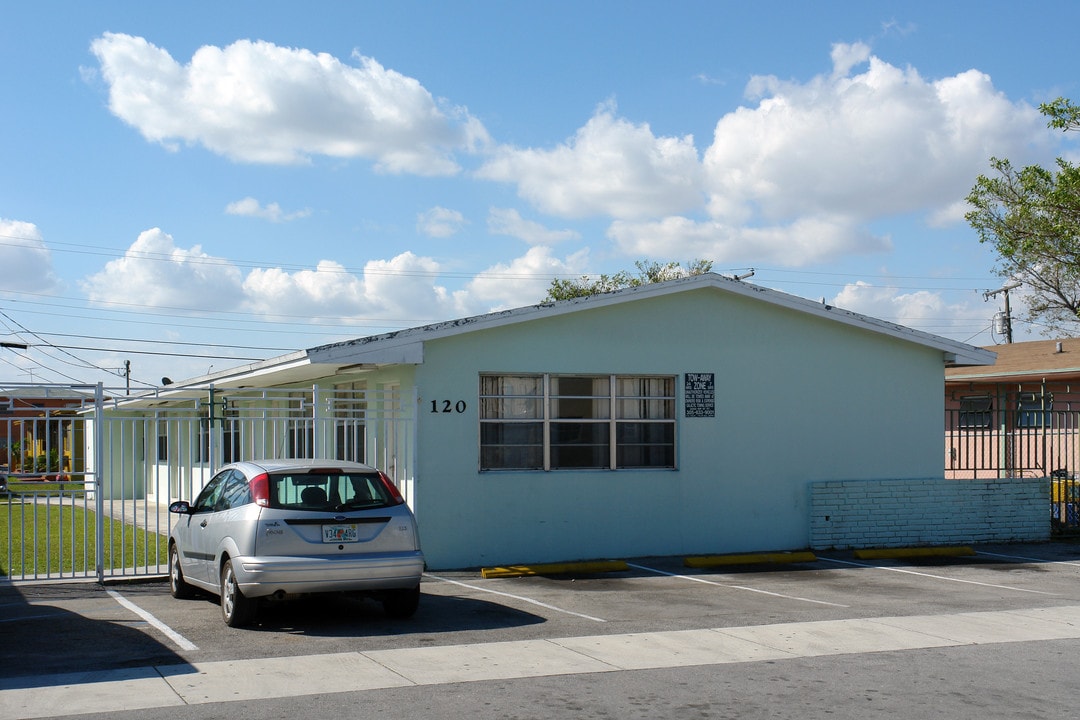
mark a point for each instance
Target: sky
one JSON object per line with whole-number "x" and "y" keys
{"x": 188, "y": 187}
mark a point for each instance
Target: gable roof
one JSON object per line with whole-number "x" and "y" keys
{"x": 407, "y": 346}
{"x": 1026, "y": 360}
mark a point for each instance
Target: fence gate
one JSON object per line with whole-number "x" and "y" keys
{"x": 87, "y": 473}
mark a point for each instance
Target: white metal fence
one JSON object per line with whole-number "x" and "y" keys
{"x": 86, "y": 474}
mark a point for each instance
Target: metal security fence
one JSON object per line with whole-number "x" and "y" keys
{"x": 1011, "y": 443}
{"x": 87, "y": 474}
{"x": 1023, "y": 437}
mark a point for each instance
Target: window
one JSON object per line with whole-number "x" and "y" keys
{"x": 645, "y": 422}
{"x": 1034, "y": 410}
{"x": 328, "y": 490}
{"x": 512, "y": 422}
{"x": 235, "y": 493}
{"x": 976, "y": 411}
{"x": 562, "y": 422}
{"x": 211, "y": 494}
{"x": 580, "y": 422}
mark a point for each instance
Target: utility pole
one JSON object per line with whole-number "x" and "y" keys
{"x": 1007, "y": 325}
{"x": 127, "y": 375}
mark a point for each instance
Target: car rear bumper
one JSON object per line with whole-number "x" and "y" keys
{"x": 261, "y": 576}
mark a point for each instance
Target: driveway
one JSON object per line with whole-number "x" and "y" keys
{"x": 130, "y": 646}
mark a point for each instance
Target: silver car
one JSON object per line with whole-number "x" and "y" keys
{"x": 278, "y": 528}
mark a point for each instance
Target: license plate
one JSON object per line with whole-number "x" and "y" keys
{"x": 339, "y": 534}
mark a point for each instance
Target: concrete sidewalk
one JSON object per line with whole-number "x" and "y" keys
{"x": 226, "y": 681}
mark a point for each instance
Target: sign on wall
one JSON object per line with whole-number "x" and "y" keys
{"x": 699, "y": 395}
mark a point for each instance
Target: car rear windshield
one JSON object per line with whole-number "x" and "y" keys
{"x": 328, "y": 490}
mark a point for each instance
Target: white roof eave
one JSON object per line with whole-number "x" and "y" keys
{"x": 406, "y": 346}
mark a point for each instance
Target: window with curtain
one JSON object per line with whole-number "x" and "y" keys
{"x": 563, "y": 422}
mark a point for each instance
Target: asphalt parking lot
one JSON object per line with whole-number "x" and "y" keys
{"x": 84, "y": 628}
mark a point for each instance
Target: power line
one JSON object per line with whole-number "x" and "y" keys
{"x": 129, "y": 351}
{"x": 170, "y": 342}
{"x": 142, "y": 311}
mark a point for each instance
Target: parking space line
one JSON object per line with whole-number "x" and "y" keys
{"x": 182, "y": 642}
{"x": 1030, "y": 559}
{"x": 515, "y": 597}
{"x": 736, "y": 587}
{"x": 935, "y": 577}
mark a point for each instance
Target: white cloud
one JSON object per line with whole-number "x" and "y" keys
{"x": 403, "y": 290}
{"x": 253, "y": 101}
{"x": 867, "y": 145}
{"x": 250, "y": 207}
{"x": 26, "y": 261}
{"x": 796, "y": 178}
{"x": 506, "y": 221}
{"x": 440, "y": 222}
{"x": 610, "y": 167}
{"x": 522, "y": 281}
{"x": 155, "y": 273}
{"x": 803, "y": 241}
{"x": 922, "y": 309}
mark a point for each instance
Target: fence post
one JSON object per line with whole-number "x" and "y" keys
{"x": 211, "y": 433}
{"x": 316, "y": 426}
{"x": 99, "y": 499}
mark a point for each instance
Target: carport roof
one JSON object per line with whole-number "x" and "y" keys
{"x": 407, "y": 346}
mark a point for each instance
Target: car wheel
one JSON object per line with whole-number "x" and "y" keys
{"x": 236, "y": 609}
{"x": 177, "y": 585}
{"x": 401, "y": 603}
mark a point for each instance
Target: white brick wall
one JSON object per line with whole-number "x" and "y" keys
{"x": 901, "y": 513}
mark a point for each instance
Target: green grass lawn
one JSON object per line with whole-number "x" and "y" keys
{"x": 60, "y": 538}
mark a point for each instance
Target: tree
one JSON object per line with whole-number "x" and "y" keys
{"x": 1032, "y": 218}
{"x": 648, "y": 272}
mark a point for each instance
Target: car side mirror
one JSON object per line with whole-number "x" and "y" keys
{"x": 180, "y": 507}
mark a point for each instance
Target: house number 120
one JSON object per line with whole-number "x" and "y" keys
{"x": 447, "y": 406}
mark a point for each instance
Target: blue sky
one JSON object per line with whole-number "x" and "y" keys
{"x": 185, "y": 187}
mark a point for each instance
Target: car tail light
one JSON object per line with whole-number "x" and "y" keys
{"x": 260, "y": 489}
{"x": 391, "y": 488}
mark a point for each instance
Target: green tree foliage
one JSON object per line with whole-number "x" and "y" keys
{"x": 647, "y": 272}
{"x": 1031, "y": 216}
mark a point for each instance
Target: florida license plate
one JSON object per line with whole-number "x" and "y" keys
{"x": 339, "y": 534}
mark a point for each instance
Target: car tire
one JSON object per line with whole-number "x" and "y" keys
{"x": 236, "y": 610}
{"x": 401, "y": 603}
{"x": 178, "y": 587}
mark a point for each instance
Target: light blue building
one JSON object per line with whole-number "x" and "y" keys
{"x": 684, "y": 417}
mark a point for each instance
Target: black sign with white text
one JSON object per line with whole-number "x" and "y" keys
{"x": 699, "y": 394}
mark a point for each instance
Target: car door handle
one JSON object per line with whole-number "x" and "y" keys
{"x": 202, "y": 524}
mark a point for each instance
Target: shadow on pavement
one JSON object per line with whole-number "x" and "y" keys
{"x": 76, "y": 629}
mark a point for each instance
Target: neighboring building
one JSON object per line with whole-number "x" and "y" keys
{"x": 38, "y": 438}
{"x": 1017, "y": 417}
{"x": 691, "y": 416}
